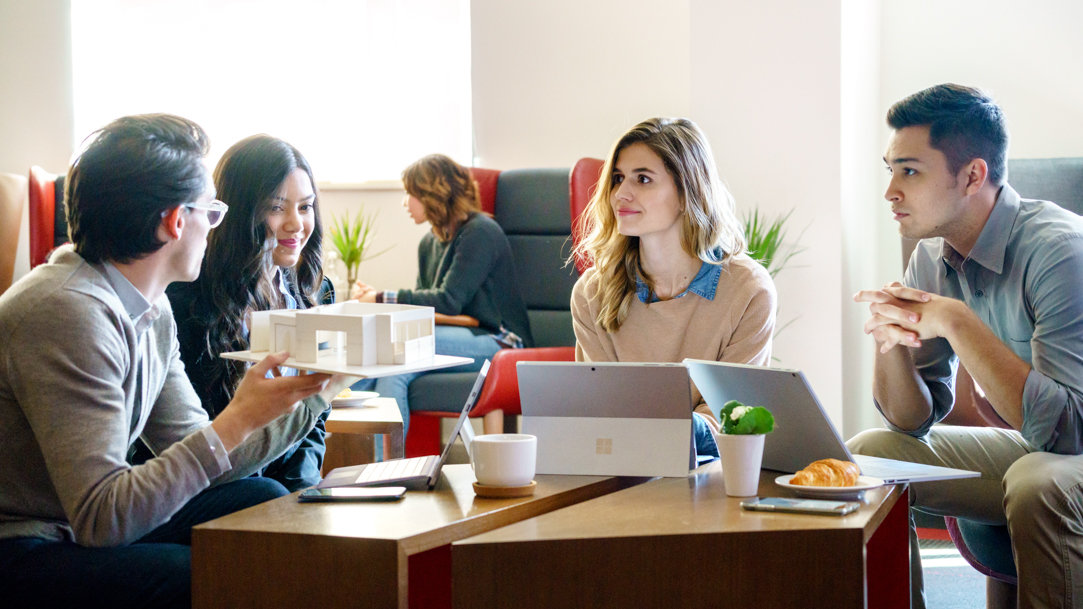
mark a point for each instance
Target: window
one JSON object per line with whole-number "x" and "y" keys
{"x": 362, "y": 88}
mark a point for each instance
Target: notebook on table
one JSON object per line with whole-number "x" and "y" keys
{"x": 611, "y": 419}
{"x": 803, "y": 432}
{"x": 416, "y": 473}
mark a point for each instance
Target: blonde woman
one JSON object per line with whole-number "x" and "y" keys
{"x": 669, "y": 278}
{"x": 465, "y": 267}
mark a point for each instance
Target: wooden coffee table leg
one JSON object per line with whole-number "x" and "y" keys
{"x": 394, "y": 446}
{"x": 348, "y": 449}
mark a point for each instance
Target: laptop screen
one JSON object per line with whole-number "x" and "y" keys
{"x": 471, "y": 399}
{"x": 608, "y": 418}
{"x": 803, "y": 431}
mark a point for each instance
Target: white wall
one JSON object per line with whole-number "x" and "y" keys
{"x": 870, "y": 252}
{"x": 1025, "y": 53}
{"x": 558, "y": 80}
{"x": 35, "y": 85}
{"x": 766, "y": 91}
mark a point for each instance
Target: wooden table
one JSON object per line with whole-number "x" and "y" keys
{"x": 675, "y": 542}
{"x": 352, "y": 430}
{"x": 286, "y": 554}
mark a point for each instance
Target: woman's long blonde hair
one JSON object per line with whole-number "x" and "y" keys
{"x": 709, "y": 229}
{"x": 446, "y": 191}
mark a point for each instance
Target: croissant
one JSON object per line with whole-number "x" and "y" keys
{"x": 827, "y": 472}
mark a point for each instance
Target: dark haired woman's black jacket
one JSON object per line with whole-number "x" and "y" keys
{"x": 297, "y": 468}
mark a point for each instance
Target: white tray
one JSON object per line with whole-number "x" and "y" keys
{"x": 335, "y": 363}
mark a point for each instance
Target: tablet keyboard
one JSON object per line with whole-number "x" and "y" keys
{"x": 396, "y": 469}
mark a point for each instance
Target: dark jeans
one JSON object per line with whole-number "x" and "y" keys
{"x": 705, "y": 444}
{"x": 297, "y": 468}
{"x": 154, "y": 572}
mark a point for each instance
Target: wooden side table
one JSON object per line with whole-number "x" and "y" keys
{"x": 352, "y": 431}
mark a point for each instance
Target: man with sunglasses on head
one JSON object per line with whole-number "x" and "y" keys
{"x": 89, "y": 362}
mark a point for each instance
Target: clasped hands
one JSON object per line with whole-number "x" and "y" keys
{"x": 905, "y": 316}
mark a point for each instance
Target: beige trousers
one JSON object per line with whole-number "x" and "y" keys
{"x": 1038, "y": 495}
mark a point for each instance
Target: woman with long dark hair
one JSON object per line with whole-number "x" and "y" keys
{"x": 265, "y": 255}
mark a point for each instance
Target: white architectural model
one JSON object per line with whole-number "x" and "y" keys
{"x": 369, "y": 334}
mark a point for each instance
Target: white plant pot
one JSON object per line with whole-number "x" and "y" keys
{"x": 741, "y": 459}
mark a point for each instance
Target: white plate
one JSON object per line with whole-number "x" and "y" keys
{"x": 864, "y": 483}
{"x": 357, "y": 398}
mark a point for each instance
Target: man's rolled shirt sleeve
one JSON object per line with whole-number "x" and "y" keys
{"x": 1053, "y": 393}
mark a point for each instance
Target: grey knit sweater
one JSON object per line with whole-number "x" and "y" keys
{"x": 80, "y": 379}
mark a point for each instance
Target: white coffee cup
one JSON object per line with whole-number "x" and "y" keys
{"x": 504, "y": 459}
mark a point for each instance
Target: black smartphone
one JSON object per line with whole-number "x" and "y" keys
{"x": 352, "y": 493}
{"x": 802, "y": 506}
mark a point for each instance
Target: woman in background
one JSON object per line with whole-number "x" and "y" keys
{"x": 265, "y": 255}
{"x": 465, "y": 267}
{"x": 669, "y": 278}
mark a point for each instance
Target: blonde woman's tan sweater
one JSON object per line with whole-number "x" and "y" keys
{"x": 735, "y": 326}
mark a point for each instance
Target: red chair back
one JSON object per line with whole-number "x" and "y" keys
{"x": 586, "y": 174}
{"x": 42, "y": 214}
{"x": 486, "y": 180}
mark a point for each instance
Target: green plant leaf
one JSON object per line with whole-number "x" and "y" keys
{"x": 767, "y": 241}
{"x": 755, "y": 420}
{"x": 351, "y": 239}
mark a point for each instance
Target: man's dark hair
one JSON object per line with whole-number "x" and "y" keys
{"x": 964, "y": 123}
{"x": 133, "y": 170}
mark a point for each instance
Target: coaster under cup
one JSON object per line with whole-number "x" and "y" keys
{"x": 499, "y": 492}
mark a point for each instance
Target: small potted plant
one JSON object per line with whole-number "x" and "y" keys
{"x": 351, "y": 239}
{"x": 741, "y": 446}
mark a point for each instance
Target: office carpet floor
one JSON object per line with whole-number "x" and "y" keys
{"x": 950, "y": 583}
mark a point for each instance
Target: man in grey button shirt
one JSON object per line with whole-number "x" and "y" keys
{"x": 89, "y": 361}
{"x": 996, "y": 283}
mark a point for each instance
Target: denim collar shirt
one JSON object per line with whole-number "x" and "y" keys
{"x": 1024, "y": 279}
{"x": 703, "y": 284}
